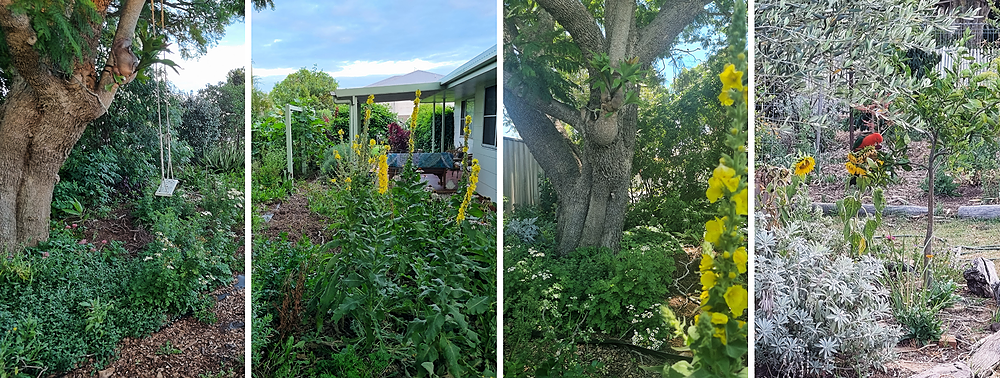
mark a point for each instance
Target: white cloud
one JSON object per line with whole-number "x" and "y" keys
{"x": 272, "y": 43}
{"x": 360, "y": 68}
{"x": 265, "y": 72}
{"x": 208, "y": 69}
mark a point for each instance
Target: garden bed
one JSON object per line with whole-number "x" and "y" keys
{"x": 830, "y": 181}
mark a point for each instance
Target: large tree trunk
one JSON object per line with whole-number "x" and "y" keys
{"x": 43, "y": 116}
{"x": 592, "y": 178}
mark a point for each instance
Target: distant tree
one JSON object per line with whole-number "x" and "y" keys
{"x": 260, "y": 101}
{"x": 200, "y": 124}
{"x": 305, "y": 84}
{"x": 228, "y": 96}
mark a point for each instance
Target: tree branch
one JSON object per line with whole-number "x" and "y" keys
{"x": 553, "y": 107}
{"x": 126, "y": 30}
{"x": 673, "y": 17}
{"x": 553, "y": 150}
{"x": 577, "y": 20}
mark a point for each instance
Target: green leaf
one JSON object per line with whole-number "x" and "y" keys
{"x": 479, "y": 305}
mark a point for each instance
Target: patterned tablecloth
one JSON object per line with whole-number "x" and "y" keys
{"x": 423, "y": 160}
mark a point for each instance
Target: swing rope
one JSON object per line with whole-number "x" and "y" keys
{"x": 167, "y": 181}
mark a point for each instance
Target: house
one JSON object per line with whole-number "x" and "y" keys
{"x": 471, "y": 89}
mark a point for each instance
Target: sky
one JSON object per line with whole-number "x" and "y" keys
{"x": 360, "y": 42}
{"x": 212, "y": 67}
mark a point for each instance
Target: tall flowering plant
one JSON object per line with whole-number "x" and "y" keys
{"x": 413, "y": 119}
{"x": 718, "y": 337}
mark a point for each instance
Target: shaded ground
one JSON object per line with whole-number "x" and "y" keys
{"x": 120, "y": 226}
{"x": 830, "y": 182}
{"x": 195, "y": 349}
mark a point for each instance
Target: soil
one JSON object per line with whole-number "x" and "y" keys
{"x": 907, "y": 192}
{"x": 120, "y": 226}
{"x": 292, "y": 219}
{"x": 195, "y": 349}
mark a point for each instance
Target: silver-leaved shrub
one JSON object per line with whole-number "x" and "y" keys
{"x": 817, "y": 308}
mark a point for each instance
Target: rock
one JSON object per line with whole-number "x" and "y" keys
{"x": 994, "y": 327}
{"x": 986, "y": 357}
{"x": 979, "y": 212}
{"x": 948, "y": 370}
{"x": 948, "y": 341}
{"x": 982, "y": 278}
{"x": 107, "y": 373}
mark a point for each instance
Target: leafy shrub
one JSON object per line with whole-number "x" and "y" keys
{"x": 176, "y": 266}
{"x": 399, "y": 138}
{"x": 944, "y": 184}
{"x": 331, "y": 164}
{"x": 588, "y": 290}
{"x": 425, "y": 135}
{"x": 816, "y": 306}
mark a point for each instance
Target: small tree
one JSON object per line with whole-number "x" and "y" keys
{"x": 949, "y": 109}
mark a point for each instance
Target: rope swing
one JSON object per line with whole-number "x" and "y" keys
{"x": 167, "y": 181}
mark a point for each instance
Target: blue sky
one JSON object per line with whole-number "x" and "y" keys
{"x": 360, "y": 42}
{"x": 212, "y": 67}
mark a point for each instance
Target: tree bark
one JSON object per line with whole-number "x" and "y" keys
{"x": 41, "y": 120}
{"x": 592, "y": 178}
{"x": 928, "y": 238}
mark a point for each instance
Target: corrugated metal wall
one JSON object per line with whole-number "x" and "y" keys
{"x": 520, "y": 174}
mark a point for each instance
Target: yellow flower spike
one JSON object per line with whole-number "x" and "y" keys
{"x": 714, "y": 228}
{"x": 371, "y": 143}
{"x": 740, "y": 200}
{"x": 736, "y": 298}
{"x": 341, "y": 132}
{"x": 708, "y": 280}
{"x": 468, "y": 119}
{"x": 707, "y": 263}
{"x": 347, "y": 180}
{"x": 740, "y": 258}
{"x": 336, "y": 155}
{"x": 804, "y": 166}
{"x": 371, "y": 99}
{"x": 383, "y": 174}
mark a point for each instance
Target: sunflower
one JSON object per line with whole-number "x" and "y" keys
{"x": 804, "y": 166}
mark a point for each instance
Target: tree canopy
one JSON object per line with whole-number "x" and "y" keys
{"x": 312, "y": 84}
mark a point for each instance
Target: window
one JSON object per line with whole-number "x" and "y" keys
{"x": 490, "y": 117}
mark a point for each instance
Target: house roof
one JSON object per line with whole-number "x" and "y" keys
{"x": 414, "y": 77}
{"x": 431, "y": 85}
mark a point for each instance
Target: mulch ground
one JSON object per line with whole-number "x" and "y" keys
{"x": 291, "y": 218}
{"x": 907, "y": 192}
{"x": 120, "y": 226}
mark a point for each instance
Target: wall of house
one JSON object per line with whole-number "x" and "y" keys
{"x": 486, "y": 154}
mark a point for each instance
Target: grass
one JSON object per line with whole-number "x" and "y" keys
{"x": 955, "y": 231}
